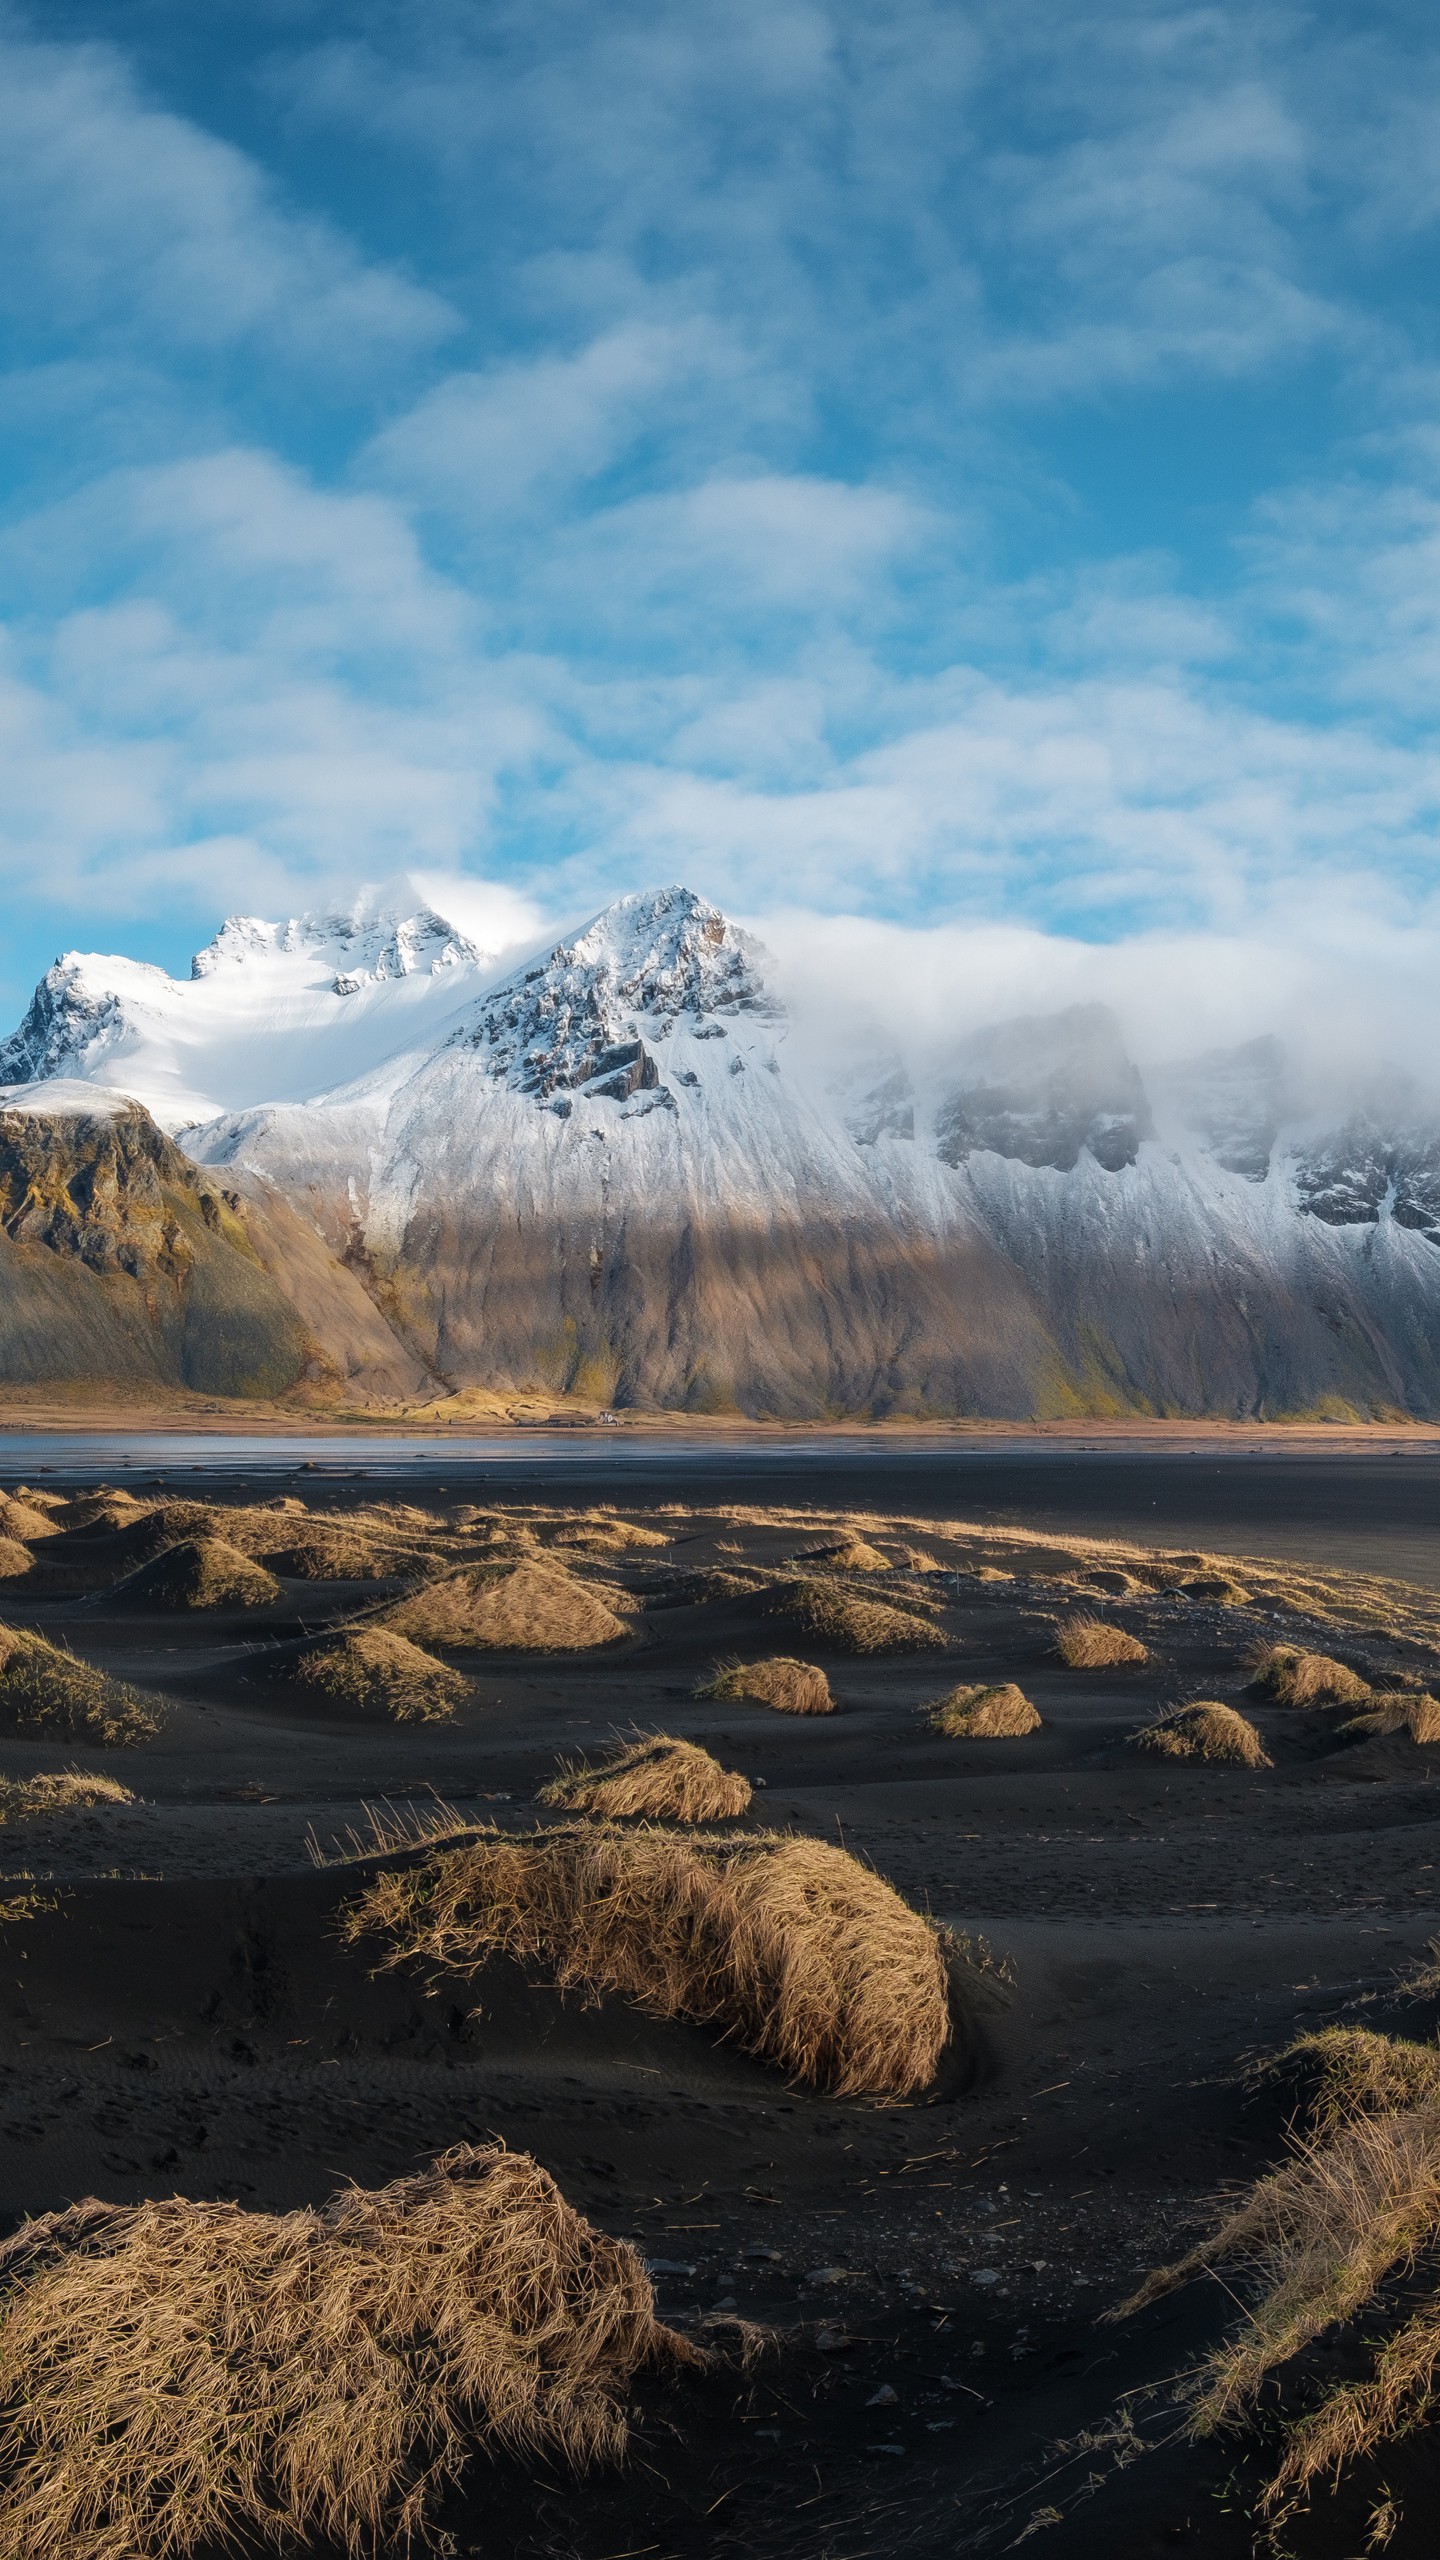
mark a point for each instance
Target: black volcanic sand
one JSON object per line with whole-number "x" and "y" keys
{"x": 176, "y": 2015}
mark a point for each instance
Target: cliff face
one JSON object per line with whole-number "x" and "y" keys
{"x": 121, "y": 1264}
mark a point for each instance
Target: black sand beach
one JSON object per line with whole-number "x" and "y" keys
{"x": 177, "y": 2013}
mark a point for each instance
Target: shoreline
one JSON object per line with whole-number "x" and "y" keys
{"x": 519, "y": 1419}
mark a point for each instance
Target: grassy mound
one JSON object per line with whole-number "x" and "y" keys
{"x": 317, "y": 1551}
{"x": 58, "y": 1791}
{"x": 918, "y": 1560}
{"x": 14, "y": 1559}
{"x": 1089, "y": 1644}
{"x": 789, "y": 1946}
{"x": 608, "y": 1537}
{"x": 655, "y": 1776}
{"x": 1206, "y": 1731}
{"x": 791, "y": 1688}
{"x": 48, "y": 1695}
{"x": 1216, "y": 1586}
{"x": 1403, "y": 1711}
{"x": 1314, "y": 2244}
{"x": 856, "y": 1555}
{"x": 178, "y": 2376}
{"x": 199, "y": 1573}
{"x": 1294, "y": 1678}
{"x": 848, "y": 1624}
{"x": 984, "y": 1715}
{"x": 22, "y": 1520}
{"x": 1341, "y": 2072}
{"x": 370, "y": 1671}
{"x": 105, "y": 1508}
{"x": 536, "y": 1607}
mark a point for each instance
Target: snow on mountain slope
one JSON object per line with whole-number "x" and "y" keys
{"x": 269, "y": 1012}
{"x": 621, "y": 1169}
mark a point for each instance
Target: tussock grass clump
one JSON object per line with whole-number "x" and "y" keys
{"x": 1216, "y": 1586}
{"x": 14, "y": 1559}
{"x": 59, "y": 1791}
{"x": 918, "y": 1560}
{"x": 1294, "y": 1678}
{"x": 849, "y": 1624}
{"x": 535, "y": 1607}
{"x": 106, "y": 1508}
{"x": 47, "y": 1694}
{"x": 791, "y": 1688}
{"x": 177, "y": 2376}
{"x": 1208, "y": 1730}
{"x": 1088, "y": 1643}
{"x": 983, "y": 1715}
{"x": 370, "y": 1671}
{"x": 22, "y": 1520}
{"x": 789, "y": 1946}
{"x": 199, "y": 1573}
{"x": 655, "y": 1776}
{"x": 1401, "y": 1711}
{"x": 1341, "y": 2072}
{"x": 316, "y": 1551}
{"x": 604, "y": 1536}
{"x": 852, "y": 1555}
{"x": 1312, "y": 2244}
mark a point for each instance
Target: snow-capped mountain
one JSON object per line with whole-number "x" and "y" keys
{"x": 269, "y": 1012}
{"x": 620, "y": 1169}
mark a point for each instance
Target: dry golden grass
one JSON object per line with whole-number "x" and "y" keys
{"x": 918, "y": 1560}
{"x": 791, "y": 1688}
{"x": 984, "y": 1715}
{"x": 14, "y": 1559}
{"x": 1294, "y": 1678}
{"x": 1401, "y": 1711}
{"x": 849, "y": 1624}
{"x": 789, "y": 1946}
{"x": 318, "y": 1551}
{"x": 605, "y": 1536}
{"x": 372, "y": 1672}
{"x": 105, "y": 1508}
{"x": 47, "y": 1694}
{"x": 535, "y": 1607}
{"x": 1088, "y": 1643}
{"x": 199, "y": 1573}
{"x": 854, "y": 1556}
{"x": 1208, "y": 1730}
{"x": 1350, "y": 2071}
{"x": 22, "y": 1520}
{"x": 178, "y": 2376}
{"x": 58, "y": 1791}
{"x": 38, "y": 1498}
{"x": 1313, "y": 2243}
{"x": 1217, "y": 1586}
{"x": 656, "y": 1777}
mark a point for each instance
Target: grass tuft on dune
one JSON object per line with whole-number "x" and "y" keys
{"x": 654, "y": 1776}
{"x": 199, "y": 1573}
{"x": 848, "y": 1623}
{"x": 1208, "y": 1730}
{"x": 1087, "y": 1643}
{"x": 981, "y": 1714}
{"x": 1340, "y": 2072}
{"x": 1400, "y": 1711}
{"x": 1294, "y": 1678}
{"x": 534, "y": 1607}
{"x": 178, "y": 2377}
{"x": 604, "y": 1535}
{"x": 47, "y": 1694}
{"x": 372, "y": 1672}
{"x": 59, "y": 1791}
{"x": 791, "y": 1688}
{"x": 793, "y": 1948}
{"x": 23, "y": 1521}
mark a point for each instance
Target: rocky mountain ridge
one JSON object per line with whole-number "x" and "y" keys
{"x": 620, "y": 1169}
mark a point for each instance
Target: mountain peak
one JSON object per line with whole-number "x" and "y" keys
{"x": 368, "y": 942}
{"x": 626, "y": 978}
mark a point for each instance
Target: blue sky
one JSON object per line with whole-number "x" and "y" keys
{"x": 933, "y": 463}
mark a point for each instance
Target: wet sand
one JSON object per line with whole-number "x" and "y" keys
{"x": 177, "y": 2013}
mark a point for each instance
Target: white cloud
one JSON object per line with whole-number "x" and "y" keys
{"x": 123, "y": 223}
